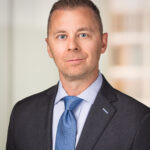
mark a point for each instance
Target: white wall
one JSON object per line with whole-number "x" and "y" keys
{"x": 5, "y": 69}
{"x": 33, "y": 71}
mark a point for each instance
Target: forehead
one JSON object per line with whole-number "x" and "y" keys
{"x": 70, "y": 17}
{"x": 78, "y": 9}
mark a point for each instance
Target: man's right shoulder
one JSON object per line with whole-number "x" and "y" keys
{"x": 38, "y": 99}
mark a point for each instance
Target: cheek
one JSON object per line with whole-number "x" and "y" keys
{"x": 93, "y": 50}
{"x": 92, "y": 44}
{"x": 57, "y": 50}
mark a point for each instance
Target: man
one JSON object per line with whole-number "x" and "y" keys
{"x": 82, "y": 111}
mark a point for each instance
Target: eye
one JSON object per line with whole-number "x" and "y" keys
{"x": 83, "y": 35}
{"x": 62, "y": 37}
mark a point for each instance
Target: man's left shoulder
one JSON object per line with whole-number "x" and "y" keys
{"x": 130, "y": 105}
{"x": 123, "y": 102}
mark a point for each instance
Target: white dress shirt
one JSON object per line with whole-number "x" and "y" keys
{"x": 82, "y": 110}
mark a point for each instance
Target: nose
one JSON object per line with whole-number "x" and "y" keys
{"x": 73, "y": 44}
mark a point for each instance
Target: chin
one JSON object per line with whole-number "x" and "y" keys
{"x": 74, "y": 76}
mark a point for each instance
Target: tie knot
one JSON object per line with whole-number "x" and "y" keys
{"x": 71, "y": 102}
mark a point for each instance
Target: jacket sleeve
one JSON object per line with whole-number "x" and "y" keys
{"x": 142, "y": 138}
{"x": 10, "y": 145}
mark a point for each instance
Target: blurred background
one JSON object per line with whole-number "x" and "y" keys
{"x": 25, "y": 67}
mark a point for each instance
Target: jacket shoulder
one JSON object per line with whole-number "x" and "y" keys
{"x": 122, "y": 100}
{"x": 131, "y": 107}
{"x": 37, "y": 99}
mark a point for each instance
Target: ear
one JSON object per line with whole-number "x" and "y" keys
{"x": 104, "y": 42}
{"x": 48, "y": 48}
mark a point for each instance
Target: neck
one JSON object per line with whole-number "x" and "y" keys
{"x": 75, "y": 87}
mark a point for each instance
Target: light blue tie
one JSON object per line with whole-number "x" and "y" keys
{"x": 67, "y": 128}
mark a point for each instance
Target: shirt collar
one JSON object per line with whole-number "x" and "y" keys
{"x": 88, "y": 94}
{"x": 60, "y": 93}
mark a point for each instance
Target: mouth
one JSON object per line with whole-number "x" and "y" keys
{"x": 76, "y": 60}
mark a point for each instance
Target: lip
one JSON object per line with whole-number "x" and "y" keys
{"x": 75, "y": 60}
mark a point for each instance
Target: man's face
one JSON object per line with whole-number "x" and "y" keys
{"x": 75, "y": 42}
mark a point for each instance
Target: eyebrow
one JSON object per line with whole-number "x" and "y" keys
{"x": 85, "y": 29}
{"x": 79, "y": 30}
{"x": 60, "y": 31}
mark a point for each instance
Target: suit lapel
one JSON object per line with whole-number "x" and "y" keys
{"x": 99, "y": 117}
{"x": 52, "y": 94}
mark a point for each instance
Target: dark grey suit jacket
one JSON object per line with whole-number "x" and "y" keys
{"x": 115, "y": 122}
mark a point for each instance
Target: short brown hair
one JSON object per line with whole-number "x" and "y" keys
{"x": 62, "y": 4}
